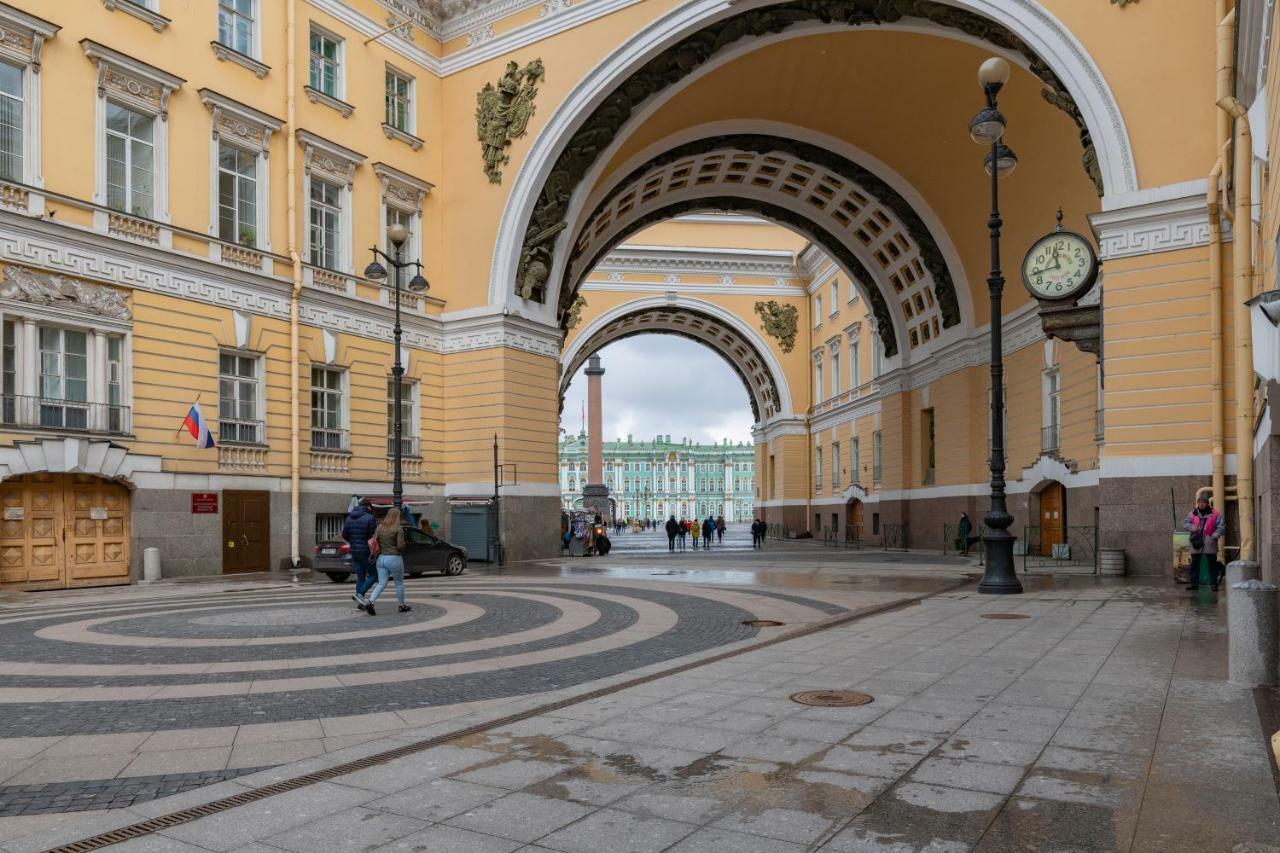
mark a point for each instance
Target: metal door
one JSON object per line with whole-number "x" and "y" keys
{"x": 470, "y": 529}
{"x": 246, "y": 521}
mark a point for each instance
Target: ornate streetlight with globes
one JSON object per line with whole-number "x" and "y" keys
{"x": 987, "y": 128}
{"x": 375, "y": 271}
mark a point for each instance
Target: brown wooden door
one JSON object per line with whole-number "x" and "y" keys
{"x": 1052, "y": 518}
{"x": 854, "y": 526}
{"x": 246, "y": 521}
{"x": 63, "y": 530}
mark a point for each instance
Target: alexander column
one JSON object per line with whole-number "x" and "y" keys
{"x": 595, "y": 494}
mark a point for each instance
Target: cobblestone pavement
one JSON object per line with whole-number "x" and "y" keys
{"x": 1101, "y": 721}
{"x": 112, "y": 698}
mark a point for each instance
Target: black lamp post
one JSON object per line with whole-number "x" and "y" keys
{"x": 397, "y": 234}
{"x": 987, "y": 128}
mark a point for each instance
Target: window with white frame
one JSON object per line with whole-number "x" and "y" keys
{"x": 835, "y": 297}
{"x": 325, "y": 213}
{"x": 817, "y": 378}
{"x": 817, "y": 468}
{"x": 409, "y": 221}
{"x": 236, "y": 24}
{"x": 237, "y": 195}
{"x": 12, "y": 122}
{"x": 817, "y": 310}
{"x": 239, "y": 388}
{"x": 408, "y": 418}
{"x": 835, "y": 371}
{"x": 131, "y": 161}
{"x": 877, "y": 448}
{"x": 855, "y": 363}
{"x": 64, "y": 377}
{"x": 1051, "y": 407}
{"x": 399, "y": 100}
{"x": 402, "y": 199}
{"x": 855, "y": 461}
{"x": 326, "y": 63}
{"x": 835, "y": 464}
{"x": 328, "y": 409}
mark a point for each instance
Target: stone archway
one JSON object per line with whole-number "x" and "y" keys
{"x": 739, "y": 344}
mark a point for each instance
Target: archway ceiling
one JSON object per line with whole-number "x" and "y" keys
{"x": 671, "y": 66}
{"x": 741, "y": 354}
{"x": 857, "y": 217}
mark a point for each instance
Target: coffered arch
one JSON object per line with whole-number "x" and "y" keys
{"x": 699, "y": 320}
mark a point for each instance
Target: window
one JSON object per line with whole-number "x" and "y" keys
{"x": 329, "y": 526}
{"x": 927, "y": 453}
{"x": 817, "y": 379}
{"x": 399, "y": 101}
{"x": 876, "y": 450}
{"x": 116, "y": 415}
{"x": 326, "y": 63}
{"x": 855, "y": 364}
{"x": 835, "y": 372}
{"x": 835, "y": 464}
{"x": 64, "y": 378}
{"x": 327, "y": 409}
{"x": 817, "y": 469}
{"x": 396, "y": 216}
{"x": 856, "y": 462}
{"x": 235, "y": 25}
{"x": 835, "y": 297}
{"x": 817, "y": 310}
{"x": 130, "y": 161}
{"x": 237, "y": 195}
{"x": 408, "y": 418}
{"x": 326, "y": 224}
{"x": 238, "y": 386}
{"x": 11, "y": 123}
{"x": 1052, "y": 405}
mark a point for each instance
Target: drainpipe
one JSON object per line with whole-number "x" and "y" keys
{"x": 1215, "y": 341}
{"x": 1242, "y": 256}
{"x": 295, "y": 259}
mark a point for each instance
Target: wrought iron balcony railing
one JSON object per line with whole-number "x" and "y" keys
{"x": 64, "y": 415}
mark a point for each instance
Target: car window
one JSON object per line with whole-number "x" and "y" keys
{"x": 416, "y": 535}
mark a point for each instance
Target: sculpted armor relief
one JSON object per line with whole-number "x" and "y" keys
{"x": 37, "y": 288}
{"x": 503, "y": 112}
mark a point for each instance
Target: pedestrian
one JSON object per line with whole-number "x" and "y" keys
{"x": 964, "y": 528}
{"x": 684, "y": 532}
{"x": 695, "y": 530}
{"x": 391, "y": 544}
{"x": 758, "y": 529}
{"x": 357, "y": 530}
{"x": 673, "y": 528}
{"x": 708, "y": 531}
{"x": 720, "y": 528}
{"x": 1204, "y": 523}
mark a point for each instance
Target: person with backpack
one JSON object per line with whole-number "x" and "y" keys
{"x": 1204, "y": 523}
{"x": 389, "y": 544}
{"x": 708, "y": 531}
{"x": 357, "y": 530}
{"x": 673, "y": 528}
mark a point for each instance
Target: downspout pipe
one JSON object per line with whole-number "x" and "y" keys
{"x": 291, "y": 159}
{"x": 1242, "y": 257}
{"x": 1215, "y": 342}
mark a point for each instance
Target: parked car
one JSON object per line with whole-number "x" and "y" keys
{"x": 424, "y": 552}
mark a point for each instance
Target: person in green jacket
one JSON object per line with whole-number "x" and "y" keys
{"x": 391, "y": 544}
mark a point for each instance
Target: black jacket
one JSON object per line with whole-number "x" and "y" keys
{"x": 358, "y": 530}
{"x": 673, "y": 527}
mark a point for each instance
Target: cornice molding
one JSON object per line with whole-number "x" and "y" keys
{"x": 230, "y": 54}
{"x": 130, "y": 80}
{"x": 1161, "y": 219}
{"x": 155, "y": 20}
{"x": 24, "y": 35}
{"x": 676, "y": 259}
{"x": 729, "y": 289}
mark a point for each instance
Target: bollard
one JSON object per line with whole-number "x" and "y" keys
{"x": 1252, "y": 615}
{"x": 151, "y": 564}
{"x": 1239, "y": 571}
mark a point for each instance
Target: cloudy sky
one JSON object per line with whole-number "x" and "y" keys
{"x": 659, "y": 384}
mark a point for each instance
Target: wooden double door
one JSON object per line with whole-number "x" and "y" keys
{"x": 1053, "y": 518}
{"x": 63, "y": 530}
{"x": 246, "y": 528}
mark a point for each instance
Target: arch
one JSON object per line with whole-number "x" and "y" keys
{"x": 735, "y": 341}
{"x": 686, "y": 40}
{"x": 103, "y": 459}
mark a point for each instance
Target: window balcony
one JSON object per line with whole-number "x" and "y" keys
{"x": 330, "y": 439}
{"x": 1049, "y": 439}
{"x": 64, "y": 415}
{"x": 408, "y": 446}
{"x": 241, "y": 432}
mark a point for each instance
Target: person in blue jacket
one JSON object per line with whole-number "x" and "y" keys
{"x": 357, "y": 530}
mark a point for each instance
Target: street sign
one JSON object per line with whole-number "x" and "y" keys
{"x": 204, "y": 502}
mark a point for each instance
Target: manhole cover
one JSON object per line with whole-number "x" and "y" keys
{"x": 762, "y": 623}
{"x": 832, "y": 698}
{"x": 1005, "y": 616}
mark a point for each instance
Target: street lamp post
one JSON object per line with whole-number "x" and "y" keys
{"x": 987, "y": 128}
{"x": 375, "y": 271}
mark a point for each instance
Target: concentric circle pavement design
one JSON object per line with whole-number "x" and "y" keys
{"x": 205, "y": 658}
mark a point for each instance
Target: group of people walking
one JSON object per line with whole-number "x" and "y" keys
{"x": 704, "y": 531}
{"x": 376, "y": 553}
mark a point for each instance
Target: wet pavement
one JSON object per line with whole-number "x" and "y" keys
{"x": 1100, "y": 721}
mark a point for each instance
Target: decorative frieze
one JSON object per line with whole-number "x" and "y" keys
{"x": 1163, "y": 219}
{"x": 34, "y": 287}
{"x": 130, "y": 82}
{"x": 779, "y": 322}
{"x": 328, "y": 159}
{"x": 238, "y": 123}
{"x": 503, "y": 112}
{"x": 400, "y": 189}
{"x": 22, "y": 36}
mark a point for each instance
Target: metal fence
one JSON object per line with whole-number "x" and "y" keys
{"x": 1076, "y": 548}
{"x": 951, "y": 543}
{"x": 849, "y": 537}
{"x": 778, "y": 531}
{"x": 893, "y": 537}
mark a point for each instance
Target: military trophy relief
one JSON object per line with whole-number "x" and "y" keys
{"x": 780, "y": 322}
{"x": 1059, "y": 270}
{"x": 503, "y": 112}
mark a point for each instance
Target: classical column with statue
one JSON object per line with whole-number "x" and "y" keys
{"x": 595, "y": 494}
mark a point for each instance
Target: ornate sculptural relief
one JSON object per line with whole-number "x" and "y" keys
{"x": 503, "y": 112}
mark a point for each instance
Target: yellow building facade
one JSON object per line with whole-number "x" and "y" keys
{"x": 190, "y": 191}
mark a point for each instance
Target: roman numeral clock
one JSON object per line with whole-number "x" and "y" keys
{"x": 1059, "y": 270}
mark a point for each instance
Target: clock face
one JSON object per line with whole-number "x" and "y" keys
{"x": 1060, "y": 265}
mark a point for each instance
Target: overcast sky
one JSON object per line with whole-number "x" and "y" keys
{"x": 663, "y": 384}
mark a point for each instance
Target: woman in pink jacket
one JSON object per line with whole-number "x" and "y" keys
{"x": 1204, "y": 523}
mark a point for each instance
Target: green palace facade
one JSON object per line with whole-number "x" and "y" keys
{"x": 654, "y": 479}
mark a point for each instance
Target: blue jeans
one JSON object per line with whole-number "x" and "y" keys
{"x": 366, "y": 576}
{"x": 389, "y": 566}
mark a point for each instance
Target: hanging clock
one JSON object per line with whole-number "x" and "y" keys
{"x": 1060, "y": 267}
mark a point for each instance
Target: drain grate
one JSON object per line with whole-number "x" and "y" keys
{"x": 832, "y": 698}
{"x": 1005, "y": 616}
{"x": 762, "y": 623}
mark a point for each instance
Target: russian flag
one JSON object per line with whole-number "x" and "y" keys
{"x": 196, "y": 425}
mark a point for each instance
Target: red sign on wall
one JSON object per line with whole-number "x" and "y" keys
{"x": 204, "y": 502}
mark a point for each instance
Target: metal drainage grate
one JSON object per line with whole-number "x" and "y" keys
{"x": 1005, "y": 616}
{"x": 832, "y": 698}
{"x": 762, "y": 623}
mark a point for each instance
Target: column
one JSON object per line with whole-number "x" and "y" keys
{"x": 595, "y": 494}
